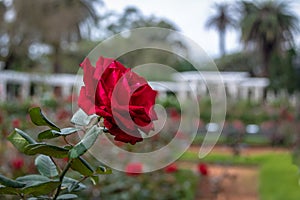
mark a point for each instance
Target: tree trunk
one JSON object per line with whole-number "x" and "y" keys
{"x": 8, "y": 61}
{"x": 266, "y": 62}
{"x": 266, "y": 53}
{"x": 222, "y": 42}
{"x": 56, "y": 60}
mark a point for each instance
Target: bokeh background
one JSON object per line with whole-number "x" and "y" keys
{"x": 255, "y": 45}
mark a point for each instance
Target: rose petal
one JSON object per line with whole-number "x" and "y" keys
{"x": 85, "y": 103}
{"x": 90, "y": 83}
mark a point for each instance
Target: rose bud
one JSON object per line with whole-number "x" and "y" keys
{"x": 134, "y": 169}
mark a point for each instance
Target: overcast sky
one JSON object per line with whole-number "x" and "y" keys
{"x": 190, "y": 16}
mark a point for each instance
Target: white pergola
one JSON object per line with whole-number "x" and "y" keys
{"x": 25, "y": 80}
{"x": 237, "y": 84}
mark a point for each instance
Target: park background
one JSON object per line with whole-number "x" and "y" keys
{"x": 257, "y": 155}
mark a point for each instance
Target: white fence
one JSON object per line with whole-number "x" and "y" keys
{"x": 238, "y": 85}
{"x": 29, "y": 84}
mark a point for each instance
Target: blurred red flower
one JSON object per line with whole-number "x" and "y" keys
{"x": 17, "y": 163}
{"x": 16, "y": 123}
{"x": 119, "y": 144}
{"x": 174, "y": 114}
{"x": 134, "y": 169}
{"x": 71, "y": 98}
{"x": 238, "y": 125}
{"x": 1, "y": 118}
{"x": 171, "y": 168}
{"x": 63, "y": 114}
{"x": 286, "y": 115}
{"x": 203, "y": 169}
{"x": 181, "y": 136}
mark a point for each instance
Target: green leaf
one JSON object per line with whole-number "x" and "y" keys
{"x": 81, "y": 118}
{"x": 87, "y": 142}
{"x": 25, "y": 136}
{"x": 82, "y": 166}
{"x": 68, "y": 147}
{"x": 37, "y": 184}
{"x": 68, "y": 131}
{"x": 67, "y": 196}
{"x": 33, "y": 179}
{"x": 49, "y": 134}
{"x": 10, "y": 183}
{"x": 38, "y": 118}
{"x": 39, "y": 198}
{"x": 72, "y": 184}
{"x": 20, "y": 139}
{"x": 9, "y": 190}
{"x": 103, "y": 170}
{"x": 45, "y": 166}
{"x": 46, "y": 149}
{"x": 41, "y": 188}
{"x": 94, "y": 179}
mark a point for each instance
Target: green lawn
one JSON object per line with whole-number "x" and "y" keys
{"x": 278, "y": 176}
{"x": 249, "y": 140}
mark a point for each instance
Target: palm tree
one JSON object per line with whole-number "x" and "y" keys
{"x": 221, "y": 21}
{"x": 55, "y": 22}
{"x": 267, "y": 26}
{"x": 2, "y": 11}
{"x": 132, "y": 18}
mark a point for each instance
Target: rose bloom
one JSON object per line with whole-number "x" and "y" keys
{"x": 174, "y": 114}
{"x": 16, "y": 123}
{"x": 181, "y": 135}
{"x": 237, "y": 124}
{"x": 17, "y": 163}
{"x": 62, "y": 114}
{"x": 134, "y": 169}
{"x": 202, "y": 169}
{"x": 120, "y": 96}
{"x": 171, "y": 168}
{"x": 1, "y": 118}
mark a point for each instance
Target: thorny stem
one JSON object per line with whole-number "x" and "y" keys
{"x": 83, "y": 178}
{"x": 66, "y": 141}
{"x": 22, "y": 196}
{"x": 61, "y": 177}
{"x": 57, "y": 167}
{"x": 80, "y": 181}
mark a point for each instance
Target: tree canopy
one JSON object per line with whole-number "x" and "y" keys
{"x": 55, "y": 27}
{"x": 55, "y": 23}
{"x": 269, "y": 27}
{"x": 221, "y": 21}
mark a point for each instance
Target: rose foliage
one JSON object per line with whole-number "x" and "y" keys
{"x": 123, "y": 104}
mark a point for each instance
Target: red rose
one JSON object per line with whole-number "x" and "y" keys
{"x": 1, "y": 118}
{"x": 133, "y": 169}
{"x": 181, "y": 136}
{"x": 171, "y": 168}
{"x": 237, "y": 124}
{"x": 174, "y": 114}
{"x": 71, "y": 98}
{"x": 16, "y": 123}
{"x": 202, "y": 169}
{"x": 17, "y": 163}
{"x": 120, "y": 96}
{"x": 62, "y": 114}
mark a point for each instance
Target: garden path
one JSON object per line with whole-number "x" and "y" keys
{"x": 230, "y": 182}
